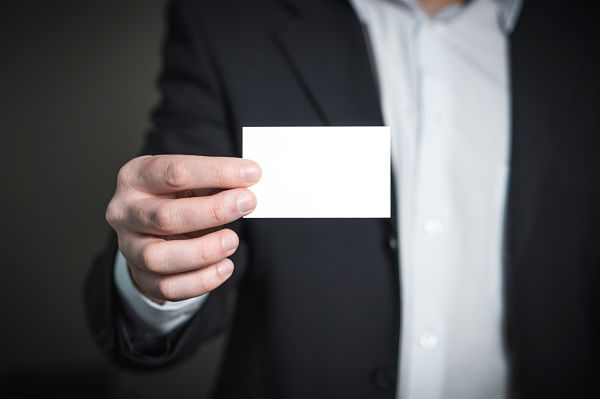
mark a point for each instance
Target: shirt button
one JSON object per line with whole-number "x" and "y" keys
{"x": 428, "y": 341}
{"x": 433, "y": 226}
{"x": 383, "y": 378}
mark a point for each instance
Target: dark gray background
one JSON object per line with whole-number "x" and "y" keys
{"x": 76, "y": 85}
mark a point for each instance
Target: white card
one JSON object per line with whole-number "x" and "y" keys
{"x": 320, "y": 172}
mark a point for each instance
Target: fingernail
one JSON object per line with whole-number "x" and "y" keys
{"x": 245, "y": 202}
{"x": 250, "y": 172}
{"x": 228, "y": 242}
{"x": 225, "y": 268}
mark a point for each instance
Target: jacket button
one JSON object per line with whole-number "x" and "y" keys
{"x": 393, "y": 243}
{"x": 383, "y": 378}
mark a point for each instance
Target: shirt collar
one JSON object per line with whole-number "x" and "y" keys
{"x": 508, "y": 15}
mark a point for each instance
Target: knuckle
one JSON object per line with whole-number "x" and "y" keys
{"x": 203, "y": 285}
{"x": 217, "y": 212}
{"x": 165, "y": 219}
{"x": 201, "y": 254}
{"x": 152, "y": 258}
{"x": 176, "y": 174}
{"x": 167, "y": 289}
{"x": 217, "y": 172}
{"x": 126, "y": 172}
{"x": 114, "y": 213}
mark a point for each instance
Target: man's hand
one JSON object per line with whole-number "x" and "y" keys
{"x": 168, "y": 211}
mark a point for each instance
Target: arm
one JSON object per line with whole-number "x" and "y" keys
{"x": 191, "y": 119}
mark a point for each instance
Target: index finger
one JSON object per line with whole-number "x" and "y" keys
{"x": 162, "y": 174}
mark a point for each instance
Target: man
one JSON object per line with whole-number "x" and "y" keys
{"x": 484, "y": 284}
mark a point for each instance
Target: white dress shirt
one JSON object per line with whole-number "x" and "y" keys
{"x": 444, "y": 90}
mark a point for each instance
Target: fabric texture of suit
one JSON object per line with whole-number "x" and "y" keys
{"x": 313, "y": 305}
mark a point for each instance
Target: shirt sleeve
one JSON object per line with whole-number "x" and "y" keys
{"x": 160, "y": 318}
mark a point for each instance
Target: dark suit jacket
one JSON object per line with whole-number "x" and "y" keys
{"x": 314, "y": 304}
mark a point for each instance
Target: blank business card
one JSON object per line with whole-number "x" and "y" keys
{"x": 320, "y": 172}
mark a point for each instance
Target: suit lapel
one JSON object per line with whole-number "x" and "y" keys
{"x": 326, "y": 50}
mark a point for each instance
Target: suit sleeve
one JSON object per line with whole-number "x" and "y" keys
{"x": 191, "y": 118}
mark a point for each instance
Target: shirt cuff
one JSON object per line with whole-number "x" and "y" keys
{"x": 161, "y": 318}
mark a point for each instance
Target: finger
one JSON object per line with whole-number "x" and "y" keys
{"x": 168, "y": 257}
{"x": 163, "y": 174}
{"x": 166, "y": 217}
{"x": 177, "y": 287}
